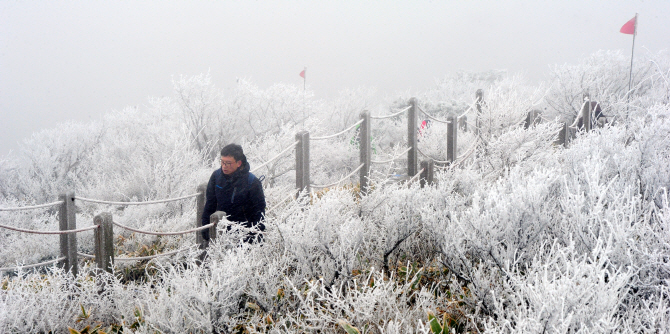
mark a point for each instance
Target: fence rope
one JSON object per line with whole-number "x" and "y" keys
{"x": 461, "y": 158}
{"x": 149, "y": 257}
{"x": 470, "y": 108}
{"x": 433, "y": 118}
{"x": 392, "y": 159}
{"x": 392, "y": 115}
{"x": 415, "y": 177}
{"x": 238, "y": 226}
{"x": 31, "y": 207}
{"x": 33, "y": 265}
{"x": 339, "y": 133}
{"x": 135, "y": 203}
{"x": 88, "y": 256}
{"x": 275, "y": 157}
{"x": 434, "y": 160}
{"x": 443, "y": 167}
{"x": 280, "y": 203}
{"x": 48, "y": 232}
{"x": 338, "y": 182}
{"x": 466, "y": 155}
{"x": 164, "y": 233}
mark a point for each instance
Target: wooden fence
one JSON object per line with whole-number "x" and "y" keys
{"x": 103, "y": 224}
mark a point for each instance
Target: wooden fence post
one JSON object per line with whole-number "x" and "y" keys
{"x": 562, "y": 136}
{"x": 532, "y": 118}
{"x": 463, "y": 123}
{"x": 586, "y": 113}
{"x": 365, "y": 153}
{"x": 68, "y": 242}
{"x": 200, "y": 207}
{"x": 480, "y": 99}
{"x": 215, "y": 218}
{"x": 302, "y": 162}
{"x": 412, "y": 125}
{"x": 428, "y": 171}
{"x": 452, "y": 138}
{"x": 104, "y": 241}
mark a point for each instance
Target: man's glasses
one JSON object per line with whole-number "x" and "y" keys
{"x": 226, "y": 163}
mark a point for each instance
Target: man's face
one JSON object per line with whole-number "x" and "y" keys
{"x": 229, "y": 165}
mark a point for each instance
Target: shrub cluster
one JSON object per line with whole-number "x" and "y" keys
{"x": 523, "y": 236}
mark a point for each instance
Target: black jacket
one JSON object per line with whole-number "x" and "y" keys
{"x": 239, "y": 195}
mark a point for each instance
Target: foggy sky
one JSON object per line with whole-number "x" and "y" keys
{"x": 65, "y": 60}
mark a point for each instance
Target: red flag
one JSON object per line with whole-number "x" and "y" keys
{"x": 629, "y": 27}
{"x": 302, "y": 74}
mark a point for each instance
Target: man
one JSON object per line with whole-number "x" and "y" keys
{"x": 235, "y": 191}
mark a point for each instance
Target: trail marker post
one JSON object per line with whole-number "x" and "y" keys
{"x": 563, "y": 135}
{"x": 586, "y": 112}
{"x": 452, "y": 138}
{"x": 463, "y": 123}
{"x": 412, "y": 125}
{"x": 532, "y": 119}
{"x": 68, "y": 242}
{"x": 104, "y": 241}
{"x": 365, "y": 152}
{"x": 426, "y": 177}
{"x": 302, "y": 162}
{"x": 200, "y": 208}
{"x": 480, "y": 99}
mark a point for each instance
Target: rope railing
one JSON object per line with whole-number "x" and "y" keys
{"x": 434, "y": 160}
{"x": 89, "y": 256}
{"x": 460, "y": 159}
{"x": 470, "y": 108}
{"x": 433, "y": 118}
{"x": 338, "y": 182}
{"x": 392, "y": 115}
{"x": 415, "y": 177}
{"x": 150, "y": 257}
{"x": 164, "y": 233}
{"x": 443, "y": 167}
{"x": 33, "y": 265}
{"x": 84, "y": 255}
{"x": 32, "y": 207}
{"x": 275, "y": 157}
{"x": 279, "y": 204}
{"x": 302, "y": 158}
{"x": 238, "y": 226}
{"x": 135, "y": 203}
{"x": 466, "y": 155}
{"x": 392, "y": 159}
{"x": 339, "y": 133}
{"x": 48, "y": 232}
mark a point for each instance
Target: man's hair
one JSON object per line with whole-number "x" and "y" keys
{"x": 235, "y": 151}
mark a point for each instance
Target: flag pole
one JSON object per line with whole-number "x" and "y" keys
{"x": 303, "y": 74}
{"x": 632, "y": 53}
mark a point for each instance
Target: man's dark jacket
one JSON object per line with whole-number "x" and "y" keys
{"x": 239, "y": 195}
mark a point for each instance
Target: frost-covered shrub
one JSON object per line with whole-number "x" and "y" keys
{"x": 605, "y": 76}
{"x": 375, "y": 304}
{"x": 522, "y": 236}
{"x": 324, "y": 242}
